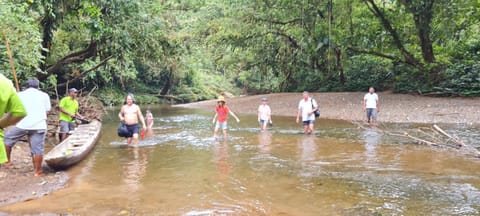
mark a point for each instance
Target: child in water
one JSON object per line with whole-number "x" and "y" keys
{"x": 148, "y": 132}
{"x": 149, "y": 119}
{"x": 221, "y": 111}
{"x": 264, "y": 115}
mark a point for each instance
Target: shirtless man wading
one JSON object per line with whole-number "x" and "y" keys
{"x": 129, "y": 115}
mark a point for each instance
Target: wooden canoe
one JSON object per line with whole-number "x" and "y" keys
{"x": 76, "y": 147}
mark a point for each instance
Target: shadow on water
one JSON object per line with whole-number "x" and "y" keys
{"x": 179, "y": 169}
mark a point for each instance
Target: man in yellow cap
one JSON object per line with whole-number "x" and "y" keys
{"x": 11, "y": 111}
{"x": 221, "y": 111}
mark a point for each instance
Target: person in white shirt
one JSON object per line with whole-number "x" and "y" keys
{"x": 264, "y": 114}
{"x": 371, "y": 106}
{"x": 306, "y": 108}
{"x": 34, "y": 125}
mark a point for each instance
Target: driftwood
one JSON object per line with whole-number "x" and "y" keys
{"x": 455, "y": 139}
{"x": 436, "y": 136}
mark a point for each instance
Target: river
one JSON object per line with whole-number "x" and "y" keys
{"x": 340, "y": 170}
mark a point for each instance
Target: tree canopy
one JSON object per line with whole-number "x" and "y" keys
{"x": 193, "y": 50}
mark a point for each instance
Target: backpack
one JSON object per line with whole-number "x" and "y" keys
{"x": 317, "y": 112}
{"x": 123, "y": 131}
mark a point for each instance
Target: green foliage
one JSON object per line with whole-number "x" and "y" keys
{"x": 366, "y": 71}
{"x": 461, "y": 79}
{"x": 195, "y": 50}
{"x": 111, "y": 96}
{"x": 403, "y": 80}
{"x": 115, "y": 96}
{"x": 21, "y": 29}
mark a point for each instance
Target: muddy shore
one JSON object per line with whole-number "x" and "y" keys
{"x": 17, "y": 182}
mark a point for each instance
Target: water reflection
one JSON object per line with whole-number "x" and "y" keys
{"x": 135, "y": 169}
{"x": 221, "y": 159}
{"x": 308, "y": 148}
{"x": 149, "y": 133}
{"x": 265, "y": 142}
{"x": 371, "y": 138}
{"x": 309, "y": 167}
{"x": 342, "y": 170}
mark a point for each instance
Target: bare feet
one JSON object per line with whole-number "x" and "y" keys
{"x": 39, "y": 174}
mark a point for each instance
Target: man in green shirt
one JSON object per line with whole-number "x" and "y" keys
{"x": 68, "y": 112}
{"x": 11, "y": 111}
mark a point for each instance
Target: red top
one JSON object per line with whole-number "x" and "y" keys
{"x": 222, "y": 113}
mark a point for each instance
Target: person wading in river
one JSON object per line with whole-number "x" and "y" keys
{"x": 34, "y": 125}
{"x": 306, "y": 108}
{"x": 221, "y": 112}
{"x": 129, "y": 114}
{"x": 264, "y": 115}
{"x": 371, "y": 106}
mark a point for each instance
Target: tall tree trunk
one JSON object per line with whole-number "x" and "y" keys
{"x": 409, "y": 58}
{"x": 422, "y": 12}
{"x": 338, "y": 64}
{"x": 422, "y": 16}
{"x": 168, "y": 83}
{"x": 48, "y": 26}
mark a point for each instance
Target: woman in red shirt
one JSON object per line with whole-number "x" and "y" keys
{"x": 221, "y": 111}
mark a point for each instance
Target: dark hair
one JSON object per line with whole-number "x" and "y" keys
{"x": 32, "y": 83}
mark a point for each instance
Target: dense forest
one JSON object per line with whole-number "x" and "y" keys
{"x": 189, "y": 50}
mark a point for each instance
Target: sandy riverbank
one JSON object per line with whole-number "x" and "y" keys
{"x": 396, "y": 108}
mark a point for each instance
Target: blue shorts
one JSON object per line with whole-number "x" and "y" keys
{"x": 222, "y": 125}
{"x": 263, "y": 122}
{"x": 66, "y": 127}
{"x": 308, "y": 122}
{"x": 36, "y": 137}
{"x": 371, "y": 113}
{"x": 132, "y": 129}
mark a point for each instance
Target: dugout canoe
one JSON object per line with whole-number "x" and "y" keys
{"x": 75, "y": 148}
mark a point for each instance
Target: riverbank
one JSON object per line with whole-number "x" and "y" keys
{"x": 394, "y": 108}
{"x": 17, "y": 182}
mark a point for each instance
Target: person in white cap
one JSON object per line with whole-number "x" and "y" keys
{"x": 34, "y": 125}
{"x": 264, "y": 114}
{"x": 68, "y": 112}
{"x": 221, "y": 111}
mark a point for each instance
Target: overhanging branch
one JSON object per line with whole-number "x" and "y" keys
{"x": 81, "y": 75}
{"x": 375, "y": 53}
{"x": 75, "y": 57}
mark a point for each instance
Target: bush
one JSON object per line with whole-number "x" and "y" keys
{"x": 408, "y": 79}
{"x": 365, "y": 71}
{"x": 115, "y": 96}
{"x": 462, "y": 78}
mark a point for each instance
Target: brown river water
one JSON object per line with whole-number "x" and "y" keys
{"x": 340, "y": 170}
